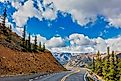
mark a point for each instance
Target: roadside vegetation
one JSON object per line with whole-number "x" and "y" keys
{"x": 108, "y": 67}
{"x": 89, "y": 79}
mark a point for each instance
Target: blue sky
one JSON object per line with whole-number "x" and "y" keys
{"x": 65, "y": 26}
{"x": 49, "y": 19}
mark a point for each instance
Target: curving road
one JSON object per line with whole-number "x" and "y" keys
{"x": 74, "y": 75}
{"x": 77, "y": 75}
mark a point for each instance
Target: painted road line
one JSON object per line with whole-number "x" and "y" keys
{"x": 64, "y": 78}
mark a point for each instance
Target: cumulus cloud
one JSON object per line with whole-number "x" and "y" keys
{"x": 82, "y": 11}
{"x": 85, "y": 11}
{"x": 49, "y": 14}
{"x": 114, "y": 43}
{"x": 55, "y": 42}
{"x": 39, "y": 39}
{"x": 16, "y": 4}
{"x": 79, "y": 39}
{"x": 28, "y": 10}
{"x": 80, "y": 43}
{"x": 101, "y": 44}
{"x": 25, "y": 12}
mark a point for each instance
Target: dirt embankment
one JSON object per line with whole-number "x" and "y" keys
{"x": 16, "y": 62}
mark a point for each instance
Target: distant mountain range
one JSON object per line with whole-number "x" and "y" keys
{"x": 62, "y": 57}
{"x": 72, "y": 59}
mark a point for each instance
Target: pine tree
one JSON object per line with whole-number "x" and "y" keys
{"x": 10, "y": 34}
{"x": 24, "y": 33}
{"x": 106, "y": 65}
{"x": 93, "y": 64}
{"x": 24, "y": 36}
{"x": 35, "y": 44}
{"x": 43, "y": 46}
{"x": 4, "y": 16}
{"x": 29, "y": 42}
{"x": 10, "y": 28}
{"x": 26, "y": 44}
{"x": 117, "y": 68}
{"x": 112, "y": 71}
{"x": 98, "y": 68}
{"x": 40, "y": 46}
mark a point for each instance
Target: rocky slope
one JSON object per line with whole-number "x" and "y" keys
{"x": 14, "y": 59}
{"x": 14, "y": 62}
{"x": 79, "y": 60}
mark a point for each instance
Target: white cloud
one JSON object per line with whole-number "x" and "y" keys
{"x": 101, "y": 44}
{"x": 49, "y": 14}
{"x": 39, "y": 39}
{"x": 25, "y": 12}
{"x": 83, "y": 44}
{"x": 2, "y": 0}
{"x": 16, "y": 4}
{"x": 115, "y": 43}
{"x": 55, "y": 42}
{"x": 79, "y": 39}
{"x": 85, "y": 11}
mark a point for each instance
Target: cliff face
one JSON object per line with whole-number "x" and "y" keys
{"x": 15, "y": 62}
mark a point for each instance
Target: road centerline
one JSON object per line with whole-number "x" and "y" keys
{"x": 64, "y": 78}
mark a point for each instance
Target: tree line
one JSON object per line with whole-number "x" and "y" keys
{"x": 25, "y": 43}
{"x": 108, "y": 67}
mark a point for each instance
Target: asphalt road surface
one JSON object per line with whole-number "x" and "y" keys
{"x": 75, "y": 75}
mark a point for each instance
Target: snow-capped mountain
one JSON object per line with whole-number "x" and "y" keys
{"x": 72, "y": 59}
{"x": 62, "y": 57}
{"x": 79, "y": 60}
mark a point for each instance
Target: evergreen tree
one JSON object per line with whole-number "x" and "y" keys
{"x": 98, "y": 68}
{"x": 93, "y": 64}
{"x": 10, "y": 28}
{"x": 40, "y": 46}
{"x": 10, "y": 34}
{"x": 24, "y": 36}
{"x": 4, "y": 16}
{"x": 24, "y": 33}
{"x": 112, "y": 71}
{"x": 117, "y": 68}
{"x": 43, "y": 46}
{"x": 106, "y": 65}
{"x": 29, "y": 42}
{"x": 35, "y": 44}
